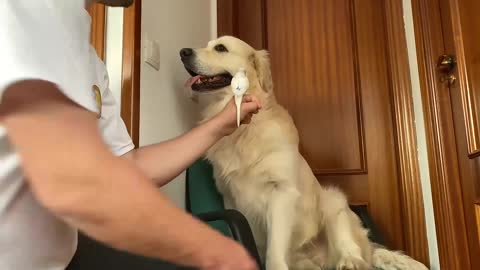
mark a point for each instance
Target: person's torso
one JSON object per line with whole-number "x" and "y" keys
{"x": 31, "y": 238}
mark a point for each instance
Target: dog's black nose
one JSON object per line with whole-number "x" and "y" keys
{"x": 186, "y": 53}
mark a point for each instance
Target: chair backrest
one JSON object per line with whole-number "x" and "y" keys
{"x": 202, "y": 195}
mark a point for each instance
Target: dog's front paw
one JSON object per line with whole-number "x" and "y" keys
{"x": 352, "y": 263}
{"x": 276, "y": 265}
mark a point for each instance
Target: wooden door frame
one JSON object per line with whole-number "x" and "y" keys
{"x": 441, "y": 144}
{"x": 97, "y": 35}
{"x": 414, "y": 226}
{"x": 131, "y": 53}
{"x": 130, "y": 107}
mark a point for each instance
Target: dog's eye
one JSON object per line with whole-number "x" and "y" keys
{"x": 221, "y": 48}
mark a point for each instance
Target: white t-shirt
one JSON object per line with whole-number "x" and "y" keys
{"x": 49, "y": 40}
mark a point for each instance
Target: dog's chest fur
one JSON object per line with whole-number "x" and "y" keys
{"x": 253, "y": 161}
{"x": 243, "y": 162}
{"x": 248, "y": 160}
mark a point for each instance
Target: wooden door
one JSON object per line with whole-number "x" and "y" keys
{"x": 332, "y": 70}
{"x": 462, "y": 40}
{"x": 451, "y": 109}
{"x": 460, "y": 30}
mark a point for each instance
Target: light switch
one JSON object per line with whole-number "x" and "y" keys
{"x": 152, "y": 53}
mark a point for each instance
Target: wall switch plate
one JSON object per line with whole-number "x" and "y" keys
{"x": 152, "y": 53}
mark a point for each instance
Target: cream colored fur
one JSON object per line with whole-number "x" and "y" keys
{"x": 297, "y": 223}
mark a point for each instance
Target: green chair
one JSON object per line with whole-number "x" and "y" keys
{"x": 203, "y": 197}
{"x": 204, "y": 201}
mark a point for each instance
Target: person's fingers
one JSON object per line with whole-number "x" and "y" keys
{"x": 247, "y": 119}
{"x": 252, "y": 99}
{"x": 250, "y": 107}
{"x": 251, "y": 265}
{"x": 256, "y": 100}
{"x": 247, "y": 98}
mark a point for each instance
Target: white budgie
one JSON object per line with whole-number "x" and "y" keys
{"x": 239, "y": 86}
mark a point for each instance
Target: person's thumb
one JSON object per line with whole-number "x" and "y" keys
{"x": 252, "y": 99}
{"x": 250, "y": 107}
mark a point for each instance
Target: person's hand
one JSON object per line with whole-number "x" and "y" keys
{"x": 228, "y": 255}
{"x": 227, "y": 118}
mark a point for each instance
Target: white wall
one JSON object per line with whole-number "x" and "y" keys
{"x": 165, "y": 112}
{"x": 421, "y": 141}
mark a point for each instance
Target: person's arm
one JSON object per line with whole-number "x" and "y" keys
{"x": 73, "y": 174}
{"x": 164, "y": 161}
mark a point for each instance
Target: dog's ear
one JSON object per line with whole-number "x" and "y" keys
{"x": 261, "y": 62}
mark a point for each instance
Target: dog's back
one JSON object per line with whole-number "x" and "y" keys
{"x": 261, "y": 172}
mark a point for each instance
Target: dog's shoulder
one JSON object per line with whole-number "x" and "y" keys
{"x": 277, "y": 124}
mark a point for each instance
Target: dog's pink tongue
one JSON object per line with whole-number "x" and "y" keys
{"x": 192, "y": 81}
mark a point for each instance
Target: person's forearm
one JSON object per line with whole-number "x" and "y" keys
{"x": 164, "y": 161}
{"x": 128, "y": 213}
{"x": 72, "y": 173}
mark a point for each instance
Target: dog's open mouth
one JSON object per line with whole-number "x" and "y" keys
{"x": 203, "y": 83}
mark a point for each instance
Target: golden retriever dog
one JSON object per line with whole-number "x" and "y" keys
{"x": 297, "y": 223}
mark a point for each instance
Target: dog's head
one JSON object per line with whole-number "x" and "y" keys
{"x": 213, "y": 67}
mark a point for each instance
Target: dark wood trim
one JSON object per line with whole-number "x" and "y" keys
{"x": 235, "y": 22}
{"x": 470, "y": 112}
{"x": 130, "y": 107}
{"x": 264, "y": 24}
{"x": 410, "y": 183}
{"x": 441, "y": 144}
{"x": 414, "y": 225}
{"x": 477, "y": 215}
{"x": 97, "y": 35}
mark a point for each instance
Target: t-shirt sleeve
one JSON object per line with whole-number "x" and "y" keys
{"x": 113, "y": 128}
{"x": 38, "y": 41}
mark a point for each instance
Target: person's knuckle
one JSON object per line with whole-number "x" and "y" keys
{"x": 249, "y": 264}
